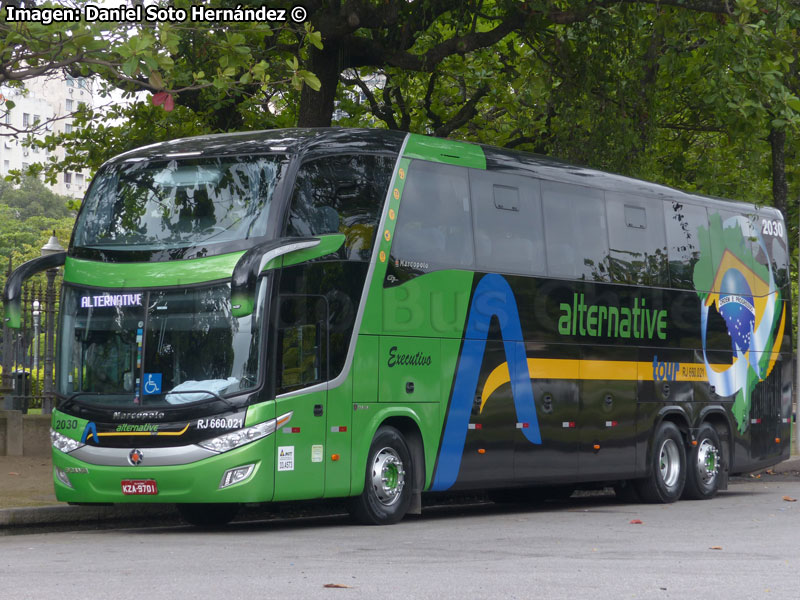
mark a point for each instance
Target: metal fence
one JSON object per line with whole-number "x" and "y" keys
{"x": 28, "y": 352}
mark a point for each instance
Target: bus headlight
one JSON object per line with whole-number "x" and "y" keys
{"x": 240, "y": 437}
{"x": 63, "y": 443}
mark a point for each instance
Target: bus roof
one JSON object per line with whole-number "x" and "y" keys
{"x": 289, "y": 141}
{"x": 302, "y": 141}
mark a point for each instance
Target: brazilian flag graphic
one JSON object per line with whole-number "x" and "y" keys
{"x": 730, "y": 280}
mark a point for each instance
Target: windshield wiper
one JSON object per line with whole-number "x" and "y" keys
{"x": 214, "y": 397}
{"x": 72, "y": 398}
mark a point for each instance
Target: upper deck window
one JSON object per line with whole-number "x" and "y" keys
{"x": 178, "y": 203}
{"x": 341, "y": 194}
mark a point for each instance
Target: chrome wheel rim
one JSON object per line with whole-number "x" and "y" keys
{"x": 388, "y": 476}
{"x": 669, "y": 463}
{"x": 707, "y": 461}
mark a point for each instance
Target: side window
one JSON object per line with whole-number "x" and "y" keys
{"x": 507, "y": 214}
{"x": 636, "y": 239}
{"x": 687, "y": 234}
{"x": 302, "y": 342}
{"x": 341, "y": 194}
{"x": 434, "y": 226}
{"x": 753, "y": 261}
{"x": 575, "y": 231}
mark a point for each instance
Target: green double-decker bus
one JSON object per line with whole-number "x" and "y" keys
{"x": 331, "y": 313}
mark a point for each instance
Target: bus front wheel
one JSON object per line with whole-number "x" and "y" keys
{"x": 388, "y": 480}
{"x": 702, "y": 477}
{"x": 667, "y": 468}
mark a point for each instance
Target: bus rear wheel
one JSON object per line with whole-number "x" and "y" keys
{"x": 667, "y": 468}
{"x": 208, "y": 515}
{"x": 702, "y": 477}
{"x": 388, "y": 480}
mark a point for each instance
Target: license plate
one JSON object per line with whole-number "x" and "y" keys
{"x": 139, "y": 487}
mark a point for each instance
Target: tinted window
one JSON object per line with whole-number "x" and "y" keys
{"x": 178, "y": 203}
{"x": 748, "y": 226}
{"x": 687, "y": 234}
{"x": 434, "y": 227}
{"x": 507, "y": 212}
{"x": 341, "y": 194}
{"x": 575, "y": 231}
{"x": 636, "y": 239}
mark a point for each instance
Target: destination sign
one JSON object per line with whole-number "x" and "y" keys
{"x": 106, "y": 300}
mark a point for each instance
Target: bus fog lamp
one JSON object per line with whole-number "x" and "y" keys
{"x": 64, "y": 443}
{"x": 236, "y": 475}
{"x": 232, "y": 440}
{"x": 62, "y": 476}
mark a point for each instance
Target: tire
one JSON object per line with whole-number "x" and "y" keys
{"x": 208, "y": 515}
{"x": 704, "y": 464}
{"x": 667, "y": 467}
{"x": 388, "y": 480}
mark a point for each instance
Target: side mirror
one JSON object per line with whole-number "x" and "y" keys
{"x": 246, "y": 272}
{"x": 12, "y": 294}
{"x": 258, "y": 258}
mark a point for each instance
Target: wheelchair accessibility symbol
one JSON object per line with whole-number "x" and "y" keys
{"x": 152, "y": 383}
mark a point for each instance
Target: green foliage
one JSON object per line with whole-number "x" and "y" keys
{"x": 28, "y": 216}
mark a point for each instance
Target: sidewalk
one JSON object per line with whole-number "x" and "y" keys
{"x": 27, "y": 498}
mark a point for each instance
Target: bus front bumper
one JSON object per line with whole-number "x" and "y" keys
{"x": 244, "y": 474}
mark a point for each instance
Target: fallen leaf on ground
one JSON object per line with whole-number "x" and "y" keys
{"x": 789, "y": 499}
{"x": 715, "y": 548}
{"x": 636, "y": 522}
{"x": 13, "y": 473}
{"x": 336, "y": 585}
{"x": 770, "y": 472}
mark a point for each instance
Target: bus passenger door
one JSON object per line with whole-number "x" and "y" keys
{"x": 607, "y": 418}
{"x": 301, "y": 364}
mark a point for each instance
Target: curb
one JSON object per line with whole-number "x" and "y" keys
{"x": 74, "y": 515}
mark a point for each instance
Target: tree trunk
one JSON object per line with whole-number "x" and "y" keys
{"x": 780, "y": 189}
{"x": 316, "y": 108}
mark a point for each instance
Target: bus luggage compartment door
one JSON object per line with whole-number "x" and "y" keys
{"x": 607, "y": 415}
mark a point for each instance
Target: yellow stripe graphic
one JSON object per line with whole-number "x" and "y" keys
{"x": 159, "y": 433}
{"x": 587, "y": 370}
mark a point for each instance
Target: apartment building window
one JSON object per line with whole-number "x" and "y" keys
{"x": 67, "y": 177}
{"x": 36, "y": 119}
{"x": 6, "y": 166}
{"x": 25, "y": 119}
{"x": 69, "y": 104}
{"x": 67, "y": 127}
{"x": 79, "y": 179}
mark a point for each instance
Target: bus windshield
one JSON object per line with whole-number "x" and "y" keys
{"x": 158, "y": 347}
{"x": 174, "y": 203}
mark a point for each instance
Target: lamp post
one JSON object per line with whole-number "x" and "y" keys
{"x": 51, "y": 247}
{"x": 37, "y": 321}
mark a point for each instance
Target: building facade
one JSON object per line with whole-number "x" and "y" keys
{"x": 45, "y": 106}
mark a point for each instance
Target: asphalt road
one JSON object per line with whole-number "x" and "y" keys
{"x": 743, "y": 544}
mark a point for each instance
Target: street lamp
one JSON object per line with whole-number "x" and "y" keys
{"x": 37, "y": 321}
{"x": 51, "y": 247}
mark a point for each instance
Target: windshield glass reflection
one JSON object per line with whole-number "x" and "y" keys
{"x": 165, "y": 347}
